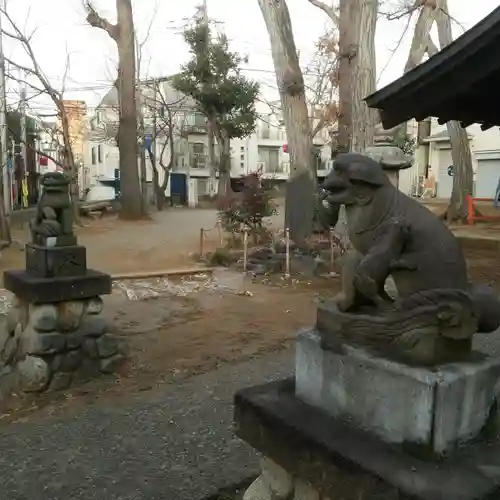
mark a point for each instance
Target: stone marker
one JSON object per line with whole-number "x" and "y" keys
{"x": 56, "y": 316}
{"x": 389, "y": 400}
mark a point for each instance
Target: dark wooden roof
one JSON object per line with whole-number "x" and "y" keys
{"x": 461, "y": 82}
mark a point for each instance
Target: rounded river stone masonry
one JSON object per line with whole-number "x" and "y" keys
{"x": 47, "y": 346}
{"x": 55, "y": 332}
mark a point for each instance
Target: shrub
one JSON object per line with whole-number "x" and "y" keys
{"x": 248, "y": 208}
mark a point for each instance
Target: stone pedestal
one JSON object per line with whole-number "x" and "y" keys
{"x": 46, "y": 262}
{"x": 434, "y": 410}
{"x": 353, "y": 425}
{"x": 52, "y": 344}
{"x": 311, "y": 455}
{"x": 55, "y": 331}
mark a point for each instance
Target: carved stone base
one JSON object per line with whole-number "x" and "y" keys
{"x": 46, "y": 262}
{"x": 432, "y": 411}
{"x": 423, "y": 334}
{"x": 48, "y": 347}
{"x": 335, "y": 460}
{"x": 38, "y": 290}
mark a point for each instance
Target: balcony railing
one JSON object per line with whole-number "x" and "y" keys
{"x": 271, "y": 133}
{"x": 274, "y": 168}
{"x": 198, "y": 160}
{"x": 195, "y": 128}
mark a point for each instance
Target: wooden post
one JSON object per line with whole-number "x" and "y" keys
{"x": 245, "y": 249}
{"x": 219, "y": 231}
{"x": 332, "y": 250}
{"x": 201, "y": 242}
{"x": 470, "y": 209}
{"x": 287, "y": 252}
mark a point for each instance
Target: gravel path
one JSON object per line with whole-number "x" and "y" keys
{"x": 174, "y": 444}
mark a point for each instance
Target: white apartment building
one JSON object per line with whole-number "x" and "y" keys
{"x": 266, "y": 150}
{"x": 189, "y": 133}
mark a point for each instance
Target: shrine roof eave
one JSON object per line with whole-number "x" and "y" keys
{"x": 453, "y": 75}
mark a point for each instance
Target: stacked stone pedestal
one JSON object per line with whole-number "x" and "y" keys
{"x": 354, "y": 425}
{"x": 55, "y": 332}
{"x": 58, "y": 343}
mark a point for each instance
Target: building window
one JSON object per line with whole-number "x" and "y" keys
{"x": 242, "y": 164}
{"x": 242, "y": 148}
{"x": 198, "y": 157}
{"x": 242, "y": 157}
{"x": 203, "y": 187}
{"x": 93, "y": 156}
{"x": 99, "y": 153}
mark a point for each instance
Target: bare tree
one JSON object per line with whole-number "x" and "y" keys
{"x": 291, "y": 86}
{"x": 44, "y": 87}
{"x": 356, "y": 22}
{"x": 460, "y": 147}
{"x": 430, "y": 12}
{"x": 167, "y": 128}
{"x": 322, "y": 85}
{"x": 139, "y": 52}
{"x": 123, "y": 33}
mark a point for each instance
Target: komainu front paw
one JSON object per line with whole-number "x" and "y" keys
{"x": 365, "y": 285}
{"x": 343, "y": 302}
{"x": 405, "y": 263}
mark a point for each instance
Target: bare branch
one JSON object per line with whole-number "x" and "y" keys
{"x": 422, "y": 42}
{"x": 405, "y": 11}
{"x": 35, "y": 69}
{"x": 96, "y": 21}
{"x": 56, "y": 96}
{"x": 330, "y": 11}
{"x": 66, "y": 71}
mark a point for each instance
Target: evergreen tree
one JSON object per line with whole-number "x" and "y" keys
{"x": 213, "y": 79}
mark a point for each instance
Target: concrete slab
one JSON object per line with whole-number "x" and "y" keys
{"x": 434, "y": 409}
{"x": 339, "y": 461}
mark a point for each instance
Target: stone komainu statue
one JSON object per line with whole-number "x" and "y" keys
{"x": 395, "y": 235}
{"x": 54, "y": 217}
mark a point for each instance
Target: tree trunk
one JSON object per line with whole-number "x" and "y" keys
{"x": 69, "y": 163}
{"x": 159, "y": 189}
{"x": 131, "y": 199}
{"x": 212, "y": 158}
{"x": 356, "y": 23}
{"x": 159, "y": 195}
{"x": 224, "y": 187}
{"x": 363, "y": 16}
{"x": 460, "y": 148}
{"x": 301, "y": 187}
{"x": 462, "y": 172}
{"x": 345, "y": 95}
{"x": 142, "y": 164}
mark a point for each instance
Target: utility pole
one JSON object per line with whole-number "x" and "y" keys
{"x": 155, "y": 129}
{"x": 5, "y": 207}
{"x": 3, "y": 131}
{"x": 210, "y": 121}
{"x": 23, "y": 188}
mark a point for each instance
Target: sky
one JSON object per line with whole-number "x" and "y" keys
{"x": 60, "y": 29}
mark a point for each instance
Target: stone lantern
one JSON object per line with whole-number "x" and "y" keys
{"x": 392, "y": 158}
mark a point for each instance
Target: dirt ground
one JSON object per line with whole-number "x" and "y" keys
{"x": 178, "y": 328}
{"x": 175, "y": 329}
{"x": 115, "y": 246}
